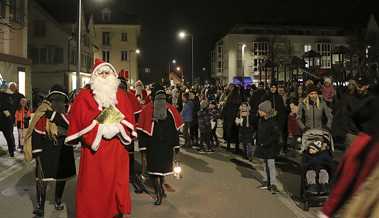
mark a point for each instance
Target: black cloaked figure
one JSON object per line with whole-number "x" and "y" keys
{"x": 158, "y": 126}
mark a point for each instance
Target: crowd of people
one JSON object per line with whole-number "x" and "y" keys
{"x": 262, "y": 122}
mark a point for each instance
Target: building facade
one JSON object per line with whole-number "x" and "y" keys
{"x": 14, "y": 62}
{"x": 116, "y": 40}
{"x": 244, "y": 51}
{"x": 53, "y": 46}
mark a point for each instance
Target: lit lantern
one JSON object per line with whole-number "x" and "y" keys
{"x": 177, "y": 170}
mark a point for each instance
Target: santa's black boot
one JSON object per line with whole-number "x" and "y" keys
{"x": 39, "y": 210}
{"x": 59, "y": 188}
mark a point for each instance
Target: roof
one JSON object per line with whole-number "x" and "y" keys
{"x": 287, "y": 29}
{"x": 62, "y": 11}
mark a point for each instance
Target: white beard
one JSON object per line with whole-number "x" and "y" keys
{"x": 105, "y": 90}
{"x": 139, "y": 90}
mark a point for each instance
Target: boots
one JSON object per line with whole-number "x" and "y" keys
{"x": 39, "y": 211}
{"x": 59, "y": 188}
{"x": 158, "y": 190}
{"x": 164, "y": 195}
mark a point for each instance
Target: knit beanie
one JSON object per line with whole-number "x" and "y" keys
{"x": 203, "y": 104}
{"x": 266, "y": 107}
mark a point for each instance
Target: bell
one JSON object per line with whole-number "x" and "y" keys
{"x": 177, "y": 170}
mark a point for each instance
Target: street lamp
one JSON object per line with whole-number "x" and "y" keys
{"x": 137, "y": 52}
{"x": 178, "y": 69}
{"x": 183, "y": 35}
{"x": 243, "y": 60}
{"x": 78, "y": 44}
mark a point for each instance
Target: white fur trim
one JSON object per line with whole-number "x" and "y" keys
{"x": 160, "y": 174}
{"x": 130, "y": 126}
{"x": 65, "y": 119}
{"x": 82, "y": 132}
{"x": 99, "y": 135}
{"x": 322, "y": 215}
{"x": 137, "y": 112}
{"x": 173, "y": 117}
{"x": 53, "y": 116}
{"x": 57, "y": 92}
{"x": 36, "y": 151}
{"x": 148, "y": 133}
{"x": 105, "y": 64}
{"x": 126, "y": 140}
{"x": 40, "y": 132}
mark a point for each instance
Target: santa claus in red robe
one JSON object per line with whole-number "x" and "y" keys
{"x": 140, "y": 93}
{"x": 101, "y": 118}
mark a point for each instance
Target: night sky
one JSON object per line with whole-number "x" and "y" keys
{"x": 210, "y": 20}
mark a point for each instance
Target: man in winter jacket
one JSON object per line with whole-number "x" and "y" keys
{"x": 267, "y": 144}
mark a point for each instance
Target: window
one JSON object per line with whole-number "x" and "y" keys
{"x": 39, "y": 28}
{"x": 2, "y": 9}
{"x": 124, "y": 55}
{"x": 73, "y": 57}
{"x": 58, "y": 56}
{"x": 21, "y": 81}
{"x": 106, "y": 38}
{"x": 307, "y": 48}
{"x": 106, "y": 15}
{"x": 106, "y": 56}
{"x": 260, "y": 48}
{"x": 325, "y": 50}
{"x": 124, "y": 37}
{"x": 43, "y": 56}
{"x": 256, "y": 63}
{"x": 34, "y": 54}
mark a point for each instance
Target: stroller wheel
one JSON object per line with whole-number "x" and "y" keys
{"x": 306, "y": 205}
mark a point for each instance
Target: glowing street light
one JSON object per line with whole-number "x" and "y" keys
{"x": 182, "y": 35}
{"x": 174, "y": 61}
{"x": 178, "y": 68}
{"x": 138, "y": 51}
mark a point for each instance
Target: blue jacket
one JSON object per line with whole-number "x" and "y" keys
{"x": 187, "y": 111}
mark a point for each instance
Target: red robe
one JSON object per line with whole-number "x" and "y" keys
{"x": 137, "y": 107}
{"x": 103, "y": 180}
{"x": 144, "y": 96}
{"x": 145, "y": 121}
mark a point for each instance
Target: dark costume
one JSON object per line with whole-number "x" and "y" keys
{"x": 229, "y": 114}
{"x": 6, "y": 121}
{"x": 45, "y": 141}
{"x": 160, "y": 136}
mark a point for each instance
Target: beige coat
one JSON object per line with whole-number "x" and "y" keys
{"x": 365, "y": 203}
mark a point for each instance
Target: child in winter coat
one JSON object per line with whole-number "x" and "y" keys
{"x": 294, "y": 131}
{"x": 204, "y": 119}
{"x": 267, "y": 144}
{"x": 246, "y": 131}
{"x": 22, "y": 117}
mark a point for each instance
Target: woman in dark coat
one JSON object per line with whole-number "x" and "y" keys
{"x": 158, "y": 126}
{"x": 229, "y": 114}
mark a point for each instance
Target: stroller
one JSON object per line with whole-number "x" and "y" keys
{"x": 317, "y": 166}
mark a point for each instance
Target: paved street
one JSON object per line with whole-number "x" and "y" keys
{"x": 214, "y": 185}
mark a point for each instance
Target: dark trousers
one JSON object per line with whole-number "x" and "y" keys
{"x": 186, "y": 133}
{"x": 205, "y": 139}
{"x": 9, "y": 137}
{"x": 194, "y": 132}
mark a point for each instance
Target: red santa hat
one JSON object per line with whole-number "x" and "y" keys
{"x": 101, "y": 66}
{"x": 123, "y": 74}
{"x": 138, "y": 83}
